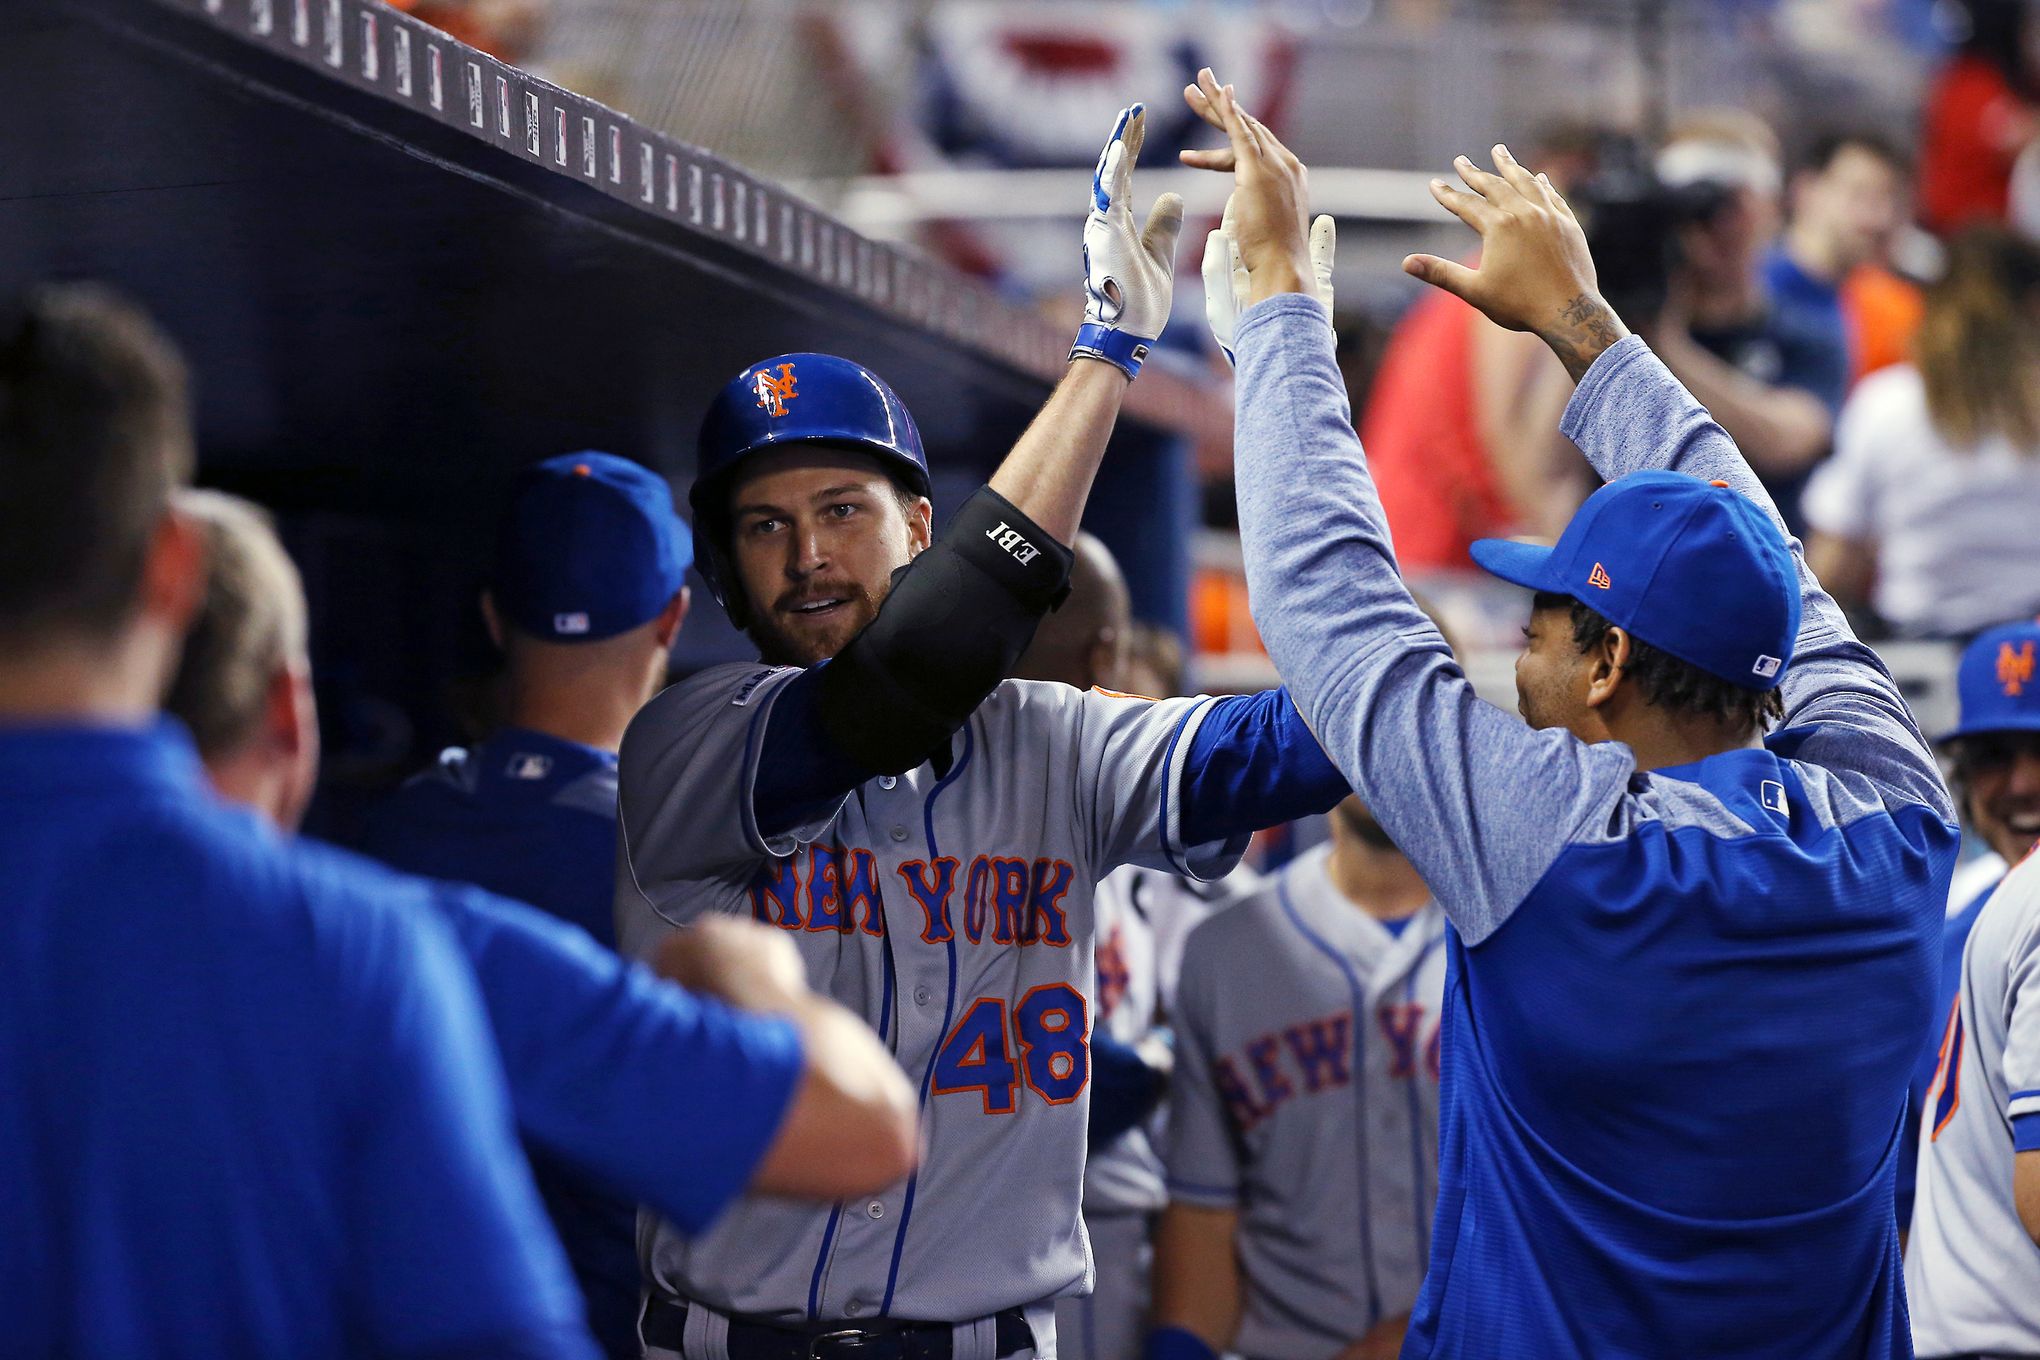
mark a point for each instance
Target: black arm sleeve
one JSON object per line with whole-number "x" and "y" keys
{"x": 952, "y": 628}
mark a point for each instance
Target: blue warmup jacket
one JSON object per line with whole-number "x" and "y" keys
{"x": 1682, "y": 1005}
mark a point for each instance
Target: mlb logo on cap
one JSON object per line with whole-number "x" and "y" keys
{"x": 591, "y": 547}
{"x": 1690, "y": 567}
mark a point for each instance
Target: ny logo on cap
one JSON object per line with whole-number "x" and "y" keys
{"x": 2015, "y": 668}
{"x": 774, "y": 393}
{"x": 1598, "y": 577}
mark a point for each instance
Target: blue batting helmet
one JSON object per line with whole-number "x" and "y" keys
{"x": 793, "y": 399}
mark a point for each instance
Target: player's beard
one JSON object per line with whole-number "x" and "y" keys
{"x": 787, "y": 637}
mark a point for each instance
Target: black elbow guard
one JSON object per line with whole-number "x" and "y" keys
{"x": 956, "y": 621}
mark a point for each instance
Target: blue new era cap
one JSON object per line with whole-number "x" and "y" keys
{"x": 1997, "y": 683}
{"x": 1690, "y": 567}
{"x": 590, "y": 548}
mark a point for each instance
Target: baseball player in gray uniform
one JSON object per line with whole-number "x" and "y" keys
{"x": 1303, "y": 1149}
{"x": 1972, "y": 1268}
{"x": 928, "y": 832}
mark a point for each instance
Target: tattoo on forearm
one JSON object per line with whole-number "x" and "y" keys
{"x": 1587, "y": 327}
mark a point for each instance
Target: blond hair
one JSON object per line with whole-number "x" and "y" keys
{"x": 251, "y": 625}
{"x": 1978, "y": 346}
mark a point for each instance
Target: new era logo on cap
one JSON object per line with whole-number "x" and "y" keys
{"x": 1598, "y": 577}
{"x": 525, "y": 765}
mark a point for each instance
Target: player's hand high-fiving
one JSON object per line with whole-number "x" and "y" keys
{"x": 1270, "y": 203}
{"x": 1535, "y": 272}
{"x": 1129, "y": 272}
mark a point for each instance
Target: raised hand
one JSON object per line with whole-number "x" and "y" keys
{"x": 1227, "y": 286}
{"x": 1535, "y": 272}
{"x": 1270, "y": 194}
{"x": 1128, "y": 273}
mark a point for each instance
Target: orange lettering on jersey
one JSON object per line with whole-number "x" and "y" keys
{"x": 2014, "y": 668}
{"x": 1598, "y": 577}
{"x": 1045, "y": 920}
{"x": 932, "y": 897}
{"x": 775, "y": 894}
{"x": 774, "y": 393}
{"x": 1009, "y": 900}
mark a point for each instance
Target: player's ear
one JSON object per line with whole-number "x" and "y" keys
{"x": 492, "y": 620}
{"x": 1607, "y": 661}
{"x": 174, "y": 571}
{"x": 673, "y": 616}
{"x": 920, "y": 526}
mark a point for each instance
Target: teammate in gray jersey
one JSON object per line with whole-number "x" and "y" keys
{"x": 1143, "y": 917}
{"x": 928, "y": 832}
{"x": 1303, "y": 1149}
{"x": 1972, "y": 1270}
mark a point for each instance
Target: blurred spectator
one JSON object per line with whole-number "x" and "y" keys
{"x": 1883, "y": 310}
{"x": 1930, "y": 506}
{"x": 504, "y": 29}
{"x": 1979, "y": 116}
{"x": 1770, "y": 373}
{"x": 1461, "y": 422}
{"x": 1847, "y": 203}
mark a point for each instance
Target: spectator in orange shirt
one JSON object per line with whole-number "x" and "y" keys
{"x": 1461, "y": 423}
{"x": 1980, "y": 114}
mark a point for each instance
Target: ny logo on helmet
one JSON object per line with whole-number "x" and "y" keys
{"x": 2014, "y": 668}
{"x": 774, "y": 393}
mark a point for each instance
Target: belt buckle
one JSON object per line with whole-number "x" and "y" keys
{"x": 846, "y": 1336}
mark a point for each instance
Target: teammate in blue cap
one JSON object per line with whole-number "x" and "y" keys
{"x": 1696, "y": 900}
{"x": 606, "y": 1068}
{"x": 252, "y": 1107}
{"x": 1993, "y": 756}
{"x": 585, "y": 598}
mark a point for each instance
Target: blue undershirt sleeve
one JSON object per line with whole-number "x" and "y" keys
{"x": 1254, "y": 764}
{"x": 801, "y": 773}
{"x": 1124, "y": 1089}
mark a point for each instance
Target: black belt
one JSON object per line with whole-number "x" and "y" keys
{"x": 666, "y": 1320}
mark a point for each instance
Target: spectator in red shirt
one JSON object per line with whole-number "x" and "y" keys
{"x": 1980, "y": 114}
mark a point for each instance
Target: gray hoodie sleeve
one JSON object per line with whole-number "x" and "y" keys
{"x": 1842, "y": 708}
{"x": 1480, "y": 803}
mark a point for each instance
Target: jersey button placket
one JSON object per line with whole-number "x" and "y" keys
{"x": 888, "y": 782}
{"x": 875, "y": 1210}
{"x": 922, "y": 996}
{"x": 899, "y": 833}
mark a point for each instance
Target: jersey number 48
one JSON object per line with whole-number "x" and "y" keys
{"x": 1051, "y": 1032}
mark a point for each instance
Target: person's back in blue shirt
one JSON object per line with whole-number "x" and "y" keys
{"x": 533, "y": 817}
{"x": 1683, "y": 1003}
{"x": 253, "y": 1109}
{"x": 525, "y": 814}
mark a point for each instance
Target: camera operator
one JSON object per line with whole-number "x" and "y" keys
{"x": 1772, "y": 380}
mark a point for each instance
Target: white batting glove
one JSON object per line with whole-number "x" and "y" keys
{"x": 1128, "y": 273}
{"x": 1225, "y": 278}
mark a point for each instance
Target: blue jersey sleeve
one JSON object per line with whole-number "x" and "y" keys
{"x": 801, "y": 774}
{"x": 454, "y": 1256}
{"x": 666, "y": 1098}
{"x": 1254, "y": 764}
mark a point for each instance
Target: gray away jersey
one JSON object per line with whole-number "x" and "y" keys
{"x": 1306, "y": 1097}
{"x": 1972, "y": 1274}
{"x": 1144, "y": 918}
{"x": 953, "y": 912}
